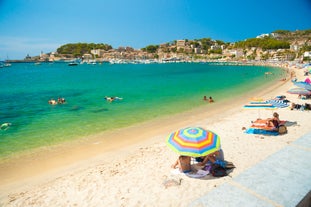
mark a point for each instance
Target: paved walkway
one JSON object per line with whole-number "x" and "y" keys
{"x": 283, "y": 180}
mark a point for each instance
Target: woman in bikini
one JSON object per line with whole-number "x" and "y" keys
{"x": 183, "y": 163}
{"x": 211, "y": 157}
{"x": 275, "y": 121}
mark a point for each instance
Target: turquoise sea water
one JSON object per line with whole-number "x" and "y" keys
{"x": 148, "y": 91}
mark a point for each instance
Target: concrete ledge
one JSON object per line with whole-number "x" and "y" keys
{"x": 283, "y": 179}
{"x": 306, "y": 201}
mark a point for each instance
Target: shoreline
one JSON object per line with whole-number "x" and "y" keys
{"x": 95, "y": 151}
{"x": 70, "y": 152}
{"x": 112, "y": 133}
{"x": 98, "y": 135}
{"x": 46, "y": 128}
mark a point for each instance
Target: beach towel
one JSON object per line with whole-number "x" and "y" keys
{"x": 193, "y": 174}
{"x": 259, "y": 127}
{"x": 261, "y": 131}
{"x": 198, "y": 174}
{"x": 261, "y": 124}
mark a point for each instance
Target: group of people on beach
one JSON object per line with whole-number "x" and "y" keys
{"x": 300, "y": 107}
{"x": 183, "y": 163}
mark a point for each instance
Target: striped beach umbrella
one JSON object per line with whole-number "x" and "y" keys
{"x": 278, "y": 103}
{"x": 299, "y": 91}
{"x": 259, "y": 105}
{"x": 303, "y": 84}
{"x": 193, "y": 141}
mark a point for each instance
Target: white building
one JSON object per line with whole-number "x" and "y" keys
{"x": 180, "y": 44}
{"x": 263, "y": 35}
{"x": 197, "y": 50}
{"x": 307, "y": 54}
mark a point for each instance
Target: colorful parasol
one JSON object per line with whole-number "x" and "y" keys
{"x": 299, "y": 91}
{"x": 194, "y": 141}
{"x": 278, "y": 103}
{"x": 259, "y": 105}
{"x": 303, "y": 84}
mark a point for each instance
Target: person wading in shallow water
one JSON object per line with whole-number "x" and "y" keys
{"x": 210, "y": 99}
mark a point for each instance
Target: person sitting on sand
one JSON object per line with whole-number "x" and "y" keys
{"x": 218, "y": 155}
{"x": 274, "y": 121}
{"x": 183, "y": 163}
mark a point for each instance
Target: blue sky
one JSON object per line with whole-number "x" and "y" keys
{"x": 32, "y": 26}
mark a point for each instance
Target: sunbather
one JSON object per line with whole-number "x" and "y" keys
{"x": 218, "y": 155}
{"x": 183, "y": 163}
{"x": 272, "y": 126}
{"x": 296, "y": 106}
{"x": 274, "y": 121}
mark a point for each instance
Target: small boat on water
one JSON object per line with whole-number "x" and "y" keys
{"x": 73, "y": 64}
{"x": 5, "y": 64}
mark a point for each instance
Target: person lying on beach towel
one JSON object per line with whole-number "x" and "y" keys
{"x": 300, "y": 107}
{"x": 268, "y": 124}
{"x": 296, "y": 106}
{"x": 271, "y": 126}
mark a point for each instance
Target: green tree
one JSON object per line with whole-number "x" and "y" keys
{"x": 264, "y": 43}
{"x": 151, "y": 48}
{"x": 78, "y": 49}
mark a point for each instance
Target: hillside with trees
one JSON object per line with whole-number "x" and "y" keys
{"x": 277, "y": 45}
{"x": 78, "y": 49}
{"x": 265, "y": 43}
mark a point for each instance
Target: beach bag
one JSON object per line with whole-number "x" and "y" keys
{"x": 282, "y": 129}
{"x": 218, "y": 171}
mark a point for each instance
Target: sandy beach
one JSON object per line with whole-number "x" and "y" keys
{"x": 136, "y": 171}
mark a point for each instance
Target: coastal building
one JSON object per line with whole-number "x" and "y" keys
{"x": 28, "y": 57}
{"x": 215, "y": 47}
{"x": 307, "y": 54}
{"x": 297, "y": 45}
{"x": 180, "y": 44}
{"x": 237, "y": 53}
{"x": 197, "y": 50}
{"x": 98, "y": 52}
{"x": 44, "y": 57}
{"x": 263, "y": 36}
